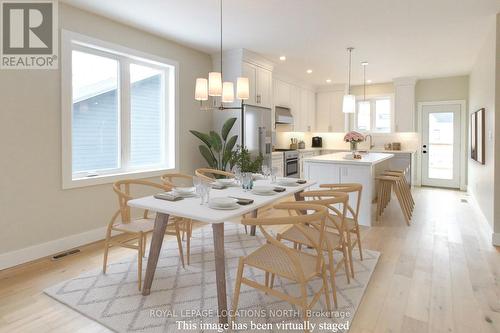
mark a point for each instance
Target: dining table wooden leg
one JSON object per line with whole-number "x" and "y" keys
{"x": 161, "y": 222}
{"x": 253, "y": 228}
{"x": 220, "y": 270}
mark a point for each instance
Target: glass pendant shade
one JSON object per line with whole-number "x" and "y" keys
{"x": 349, "y": 104}
{"x": 242, "y": 88}
{"x": 201, "y": 90}
{"x": 215, "y": 84}
{"x": 227, "y": 92}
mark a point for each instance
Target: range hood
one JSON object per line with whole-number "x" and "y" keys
{"x": 283, "y": 115}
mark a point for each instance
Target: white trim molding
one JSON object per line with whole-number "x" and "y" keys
{"x": 495, "y": 238}
{"x": 463, "y": 140}
{"x": 27, "y": 254}
{"x": 73, "y": 41}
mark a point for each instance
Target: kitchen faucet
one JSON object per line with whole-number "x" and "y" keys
{"x": 371, "y": 138}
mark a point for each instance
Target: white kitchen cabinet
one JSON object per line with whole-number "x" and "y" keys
{"x": 402, "y": 161}
{"x": 260, "y": 83}
{"x": 278, "y": 162}
{"x": 329, "y": 115}
{"x": 303, "y": 155}
{"x": 404, "y": 104}
{"x": 307, "y": 111}
{"x": 282, "y": 93}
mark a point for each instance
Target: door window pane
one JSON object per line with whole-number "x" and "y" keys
{"x": 364, "y": 116}
{"x": 383, "y": 115}
{"x": 146, "y": 116}
{"x": 440, "y": 145}
{"x": 95, "y": 116}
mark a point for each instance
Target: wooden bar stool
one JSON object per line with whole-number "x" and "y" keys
{"x": 404, "y": 186}
{"x": 386, "y": 185}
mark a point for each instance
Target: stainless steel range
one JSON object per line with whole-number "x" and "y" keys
{"x": 291, "y": 158}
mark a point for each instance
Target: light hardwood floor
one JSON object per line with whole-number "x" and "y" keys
{"x": 438, "y": 275}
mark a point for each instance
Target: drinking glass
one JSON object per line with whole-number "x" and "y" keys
{"x": 196, "y": 181}
{"x": 237, "y": 173}
{"x": 207, "y": 188}
{"x": 246, "y": 180}
{"x": 274, "y": 173}
{"x": 266, "y": 171}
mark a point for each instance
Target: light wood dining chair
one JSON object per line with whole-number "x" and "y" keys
{"x": 174, "y": 180}
{"x": 334, "y": 239}
{"x": 212, "y": 174}
{"x": 135, "y": 230}
{"x": 351, "y": 219}
{"x": 275, "y": 257}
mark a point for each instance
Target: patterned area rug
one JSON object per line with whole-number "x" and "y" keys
{"x": 186, "y": 299}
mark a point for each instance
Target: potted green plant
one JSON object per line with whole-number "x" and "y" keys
{"x": 217, "y": 148}
{"x": 246, "y": 165}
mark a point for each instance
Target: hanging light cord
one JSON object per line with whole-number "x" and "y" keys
{"x": 364, "y": 83}
{"x": 349, "y": 72}
{"x": 221, "y": 38}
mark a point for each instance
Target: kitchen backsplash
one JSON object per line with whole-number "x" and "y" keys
{"x": 409, "y": 140}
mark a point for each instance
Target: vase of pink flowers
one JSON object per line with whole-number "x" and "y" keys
{"x": 354, "y": 138}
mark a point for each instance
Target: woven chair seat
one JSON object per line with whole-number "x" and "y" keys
{"x": 295, "y": 235}
{"x": 135, "y": 226}
{"x": 147, "y": 225}
{"x": 272, "y": 258}
{"x": 350, "y": 223}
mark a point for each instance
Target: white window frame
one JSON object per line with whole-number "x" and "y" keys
{"x": 126, "y": 56}
{"x": 372, "y": 99}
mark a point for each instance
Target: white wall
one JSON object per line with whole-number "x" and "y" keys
{"x": 33, "y": 207}
{"x": 482, "y": 95}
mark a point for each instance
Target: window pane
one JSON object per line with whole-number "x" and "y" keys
{"x": 441, "y": 145}
{"x": 95, "y": 123}
{"x": 383, "y": 115}
{"x": 147, "y": 116}
{"x": 364, "y": 116}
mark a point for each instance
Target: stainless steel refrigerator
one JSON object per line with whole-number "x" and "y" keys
{"x": 256, "y": 131}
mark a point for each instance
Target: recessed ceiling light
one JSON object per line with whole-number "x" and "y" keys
{"x": 282, "y": 58}
{"x": 309, "y": 71}
{"x": 368, "y": 81}
{"x": 328, "y": 81}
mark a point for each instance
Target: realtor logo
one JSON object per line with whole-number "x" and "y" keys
{"x": 29, "y": 34}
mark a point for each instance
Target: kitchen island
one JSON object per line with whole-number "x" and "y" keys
{"x": 340, "y": 168}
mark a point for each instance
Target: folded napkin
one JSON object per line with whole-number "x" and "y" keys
{"x": 169, "y": 196}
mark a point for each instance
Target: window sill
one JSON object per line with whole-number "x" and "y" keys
{"x": 111, "y": 178}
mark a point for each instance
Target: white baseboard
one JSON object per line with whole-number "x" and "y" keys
{"x": 495, "y": 239}
{"x": 34, "y": 252}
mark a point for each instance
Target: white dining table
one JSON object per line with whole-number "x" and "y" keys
{"x": 191, "y": 208}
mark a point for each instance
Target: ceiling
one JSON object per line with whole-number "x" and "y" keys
{"x": 423, "y": 38}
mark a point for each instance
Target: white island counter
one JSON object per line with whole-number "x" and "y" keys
{"x": 336, "y": 168}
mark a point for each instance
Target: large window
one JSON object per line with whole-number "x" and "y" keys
{"x": 374, "y": 115}
{"x": 118, "y": 114}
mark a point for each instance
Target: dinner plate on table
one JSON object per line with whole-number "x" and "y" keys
{"x": 287, "y": 182}
{"x": 223, "y": 203}
{"x": 263, "y": 190}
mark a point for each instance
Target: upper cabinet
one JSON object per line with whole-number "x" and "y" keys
{"x": 404, "y": 104}
{"x": 282, "y": 93}
{"x": 260, "y": 81}
{"x": 301, "y": 102}
{"x": 329, "y": 115}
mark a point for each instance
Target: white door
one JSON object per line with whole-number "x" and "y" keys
{"x": 441, "y": 125}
